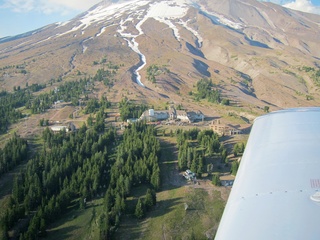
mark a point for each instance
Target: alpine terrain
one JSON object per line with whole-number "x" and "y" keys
{"x": 197, "y": 72}
{"x": 256, "y": 53}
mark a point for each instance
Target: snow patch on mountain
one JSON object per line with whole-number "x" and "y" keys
{"x": 131, "y": 40}
{"x": 194, "y": 32}
{"x": 164, "y": 12}
{"x": 113, "y": 11}
{"x": 61, "y": 24}
{"x": 168, "y": 9}
{"x": 105, "y": 13}
{"x": 135, "y": 47}
{"x": 101, "y": 31}
{"x": 84, "y": 47}
{"x": 41, "y": 41}
{"x": 220, "y": 19}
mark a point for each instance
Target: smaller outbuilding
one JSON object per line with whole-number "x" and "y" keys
{"x": 189, "y": 175}
{"x": 224, "y": 129}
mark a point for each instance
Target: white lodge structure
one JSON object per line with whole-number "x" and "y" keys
{"x": 172, "y": 114}
{"x": 70, "y": 127}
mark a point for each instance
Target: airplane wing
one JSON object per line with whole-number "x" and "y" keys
{"x": 276, "y": 193}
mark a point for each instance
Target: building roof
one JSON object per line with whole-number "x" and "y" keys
{"x": 278, "y": 177}
{"x": 58, "y": 128}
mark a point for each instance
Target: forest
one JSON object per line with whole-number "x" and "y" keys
{"x": 130, "y": 110}
{"x": 136, "y": 163}
{"x": 11, "y": 103}
{"x": 9, "y": 112}
{"x": 14, "y": 152}
{"x": 73, "y": 168}
{"x": 205, "y": 91}
{"x": 75, "y": 92}
{"x": 197, "y": 147}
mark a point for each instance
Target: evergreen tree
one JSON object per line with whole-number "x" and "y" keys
{"x": 150, "y": 199}
{"x": 139, "y": 211}
{"x": 216, "y": 180}
{"x": 155, "y": 179}
{"x": 224, "y": 155}
{"x": 234, "y": 168}
{"x": 238, "y": 148}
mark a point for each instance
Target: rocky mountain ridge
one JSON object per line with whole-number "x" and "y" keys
{"x": 255, "y": 53}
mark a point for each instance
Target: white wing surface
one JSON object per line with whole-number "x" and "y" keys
{"x": 275, "y": 194}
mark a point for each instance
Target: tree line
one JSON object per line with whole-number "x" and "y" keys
{"x": 70, "y": 91}
{"x": 136, "y": 163}
{"x": 67, "y": 92}
{"x": 80, "y": 166}
{"x": 206, "y": 90}
{"x": 14, "y": 152}
{"x": 195, "y": 147}
{"x": 106, "y": 76}
{"x": 70, "y": 166}
{"x": 9, "y": 104}
{"x": 130, "y": 110}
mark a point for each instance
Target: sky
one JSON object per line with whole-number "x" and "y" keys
{"x": 20, "y": 16}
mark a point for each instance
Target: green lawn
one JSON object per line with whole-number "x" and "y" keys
{"x": 77, "y": 224}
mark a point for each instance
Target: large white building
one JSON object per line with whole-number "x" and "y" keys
{"x": 172, "y": 114}
{"x": 151, "y": 115}
{"x": 70, "y": 127}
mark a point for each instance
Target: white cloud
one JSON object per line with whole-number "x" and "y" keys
{"x": 280, "y": 2}
{"x": 48, "y": 6}
{"x": 74, "y": 4}
{"x": 300, "y": 5}
{"x": 19, "y": 5}
{"x": 304, "y": 6}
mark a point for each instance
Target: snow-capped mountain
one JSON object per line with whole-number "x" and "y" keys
{"x": 254, "y": 52}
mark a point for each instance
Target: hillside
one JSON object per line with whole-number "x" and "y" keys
{"x": 254, "y": 52}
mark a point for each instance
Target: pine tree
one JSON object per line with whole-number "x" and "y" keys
{"x": 150, "y": 199}
{"x": 234, "y": 168}
{"x": 216, "y": 180}
{"x": 155, "y": 179}
{"x": 139, "y": 212}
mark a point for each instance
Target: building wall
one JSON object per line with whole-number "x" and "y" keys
{"x": 161, "y": 115}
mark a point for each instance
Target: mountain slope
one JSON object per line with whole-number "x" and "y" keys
{"x": 254, "y": 52}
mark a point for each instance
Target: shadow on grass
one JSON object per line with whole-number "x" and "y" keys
{"x": 170, "y": 177}
{"x": 133, "y": 228}
{"x": 163, "y": 207}
{"x": 132, "y": 202}
{"x": 69, "y": 224}
{"x": 61, "y": 233}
